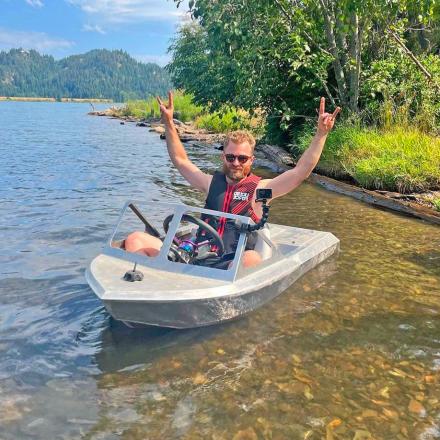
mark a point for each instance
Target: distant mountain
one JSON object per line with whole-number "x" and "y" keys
{"x": 96, "y": 74}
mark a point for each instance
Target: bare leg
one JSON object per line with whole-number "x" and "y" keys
{"x": 143, "y": 243}
{"x": 251, "y": 259}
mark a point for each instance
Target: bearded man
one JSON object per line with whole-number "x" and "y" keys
{"x": 232, "y": 190}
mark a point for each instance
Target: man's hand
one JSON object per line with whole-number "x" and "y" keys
{"x": 167, "y": 110}
{"x": 326, "y": 120}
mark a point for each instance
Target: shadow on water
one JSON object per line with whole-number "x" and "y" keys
{"x": 126, "y": 349}
{"x": 427, "y": 260}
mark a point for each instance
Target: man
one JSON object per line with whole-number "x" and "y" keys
{"x": 233, "y": 189}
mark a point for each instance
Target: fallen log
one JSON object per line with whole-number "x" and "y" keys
{"x": 276, "y": 154}
{"x": 376, "y": 198}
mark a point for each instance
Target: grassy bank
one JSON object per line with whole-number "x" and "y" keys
{"x": 392, "y": 158}
{"x": 184, "y": 109}
{"x": 398, "y": 159}
{"x": 226, "y": 119}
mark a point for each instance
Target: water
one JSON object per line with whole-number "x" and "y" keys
{"x": 351, "y": 351}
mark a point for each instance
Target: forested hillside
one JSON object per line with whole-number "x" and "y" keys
{"x": 95, "y": 74}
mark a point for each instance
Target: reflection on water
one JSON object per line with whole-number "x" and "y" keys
{"x": 351, "y": 351}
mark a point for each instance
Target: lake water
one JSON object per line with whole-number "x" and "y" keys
{"x": 351, "y": 351}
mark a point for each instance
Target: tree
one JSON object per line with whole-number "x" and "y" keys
{"x": 255, "y": 53}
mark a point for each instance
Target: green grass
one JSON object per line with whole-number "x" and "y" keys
{"x": 229, "y": 119}
{"x": 398, "y": 159}
{"x": 184, "y": 108}
{"x": 224, "y": 120}
{"x": 436, "y": 203}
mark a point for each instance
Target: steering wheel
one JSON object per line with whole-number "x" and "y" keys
{"x": 215, "y": 238}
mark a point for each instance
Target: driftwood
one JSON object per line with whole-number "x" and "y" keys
{"x": 208, "y": 138}
{"x": 377, "y": 199}
{"x": 276, "y": 154}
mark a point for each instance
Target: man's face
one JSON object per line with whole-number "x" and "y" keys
{"x": 234, "y": 164}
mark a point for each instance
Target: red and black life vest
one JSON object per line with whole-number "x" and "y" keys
{"x": 234, "y": 199}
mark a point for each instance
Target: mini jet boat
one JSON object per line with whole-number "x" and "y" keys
{"x": 187, "y": 284}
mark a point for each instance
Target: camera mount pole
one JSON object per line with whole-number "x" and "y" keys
{"x": 263, "y": 195}
{"x": 263, "y": 220}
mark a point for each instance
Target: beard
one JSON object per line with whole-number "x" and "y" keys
{"x": 236, "y": 174}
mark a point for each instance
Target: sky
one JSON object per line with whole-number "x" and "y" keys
{"x": 143, "y": 28}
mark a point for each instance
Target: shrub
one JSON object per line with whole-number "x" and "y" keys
{"x": 229, "y": 119}
{"x": 395, "y": 91}
{"x": 184, "y": 108}
{"x": 397, "y": 159}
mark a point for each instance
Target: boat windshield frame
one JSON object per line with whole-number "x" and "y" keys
{"x": 161, "y": 261}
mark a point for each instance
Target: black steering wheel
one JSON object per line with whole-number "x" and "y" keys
{"x": 215, "y": 238}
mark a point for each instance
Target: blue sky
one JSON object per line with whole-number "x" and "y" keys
{"x": 60, "y": 28}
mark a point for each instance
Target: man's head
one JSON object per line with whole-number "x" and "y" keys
{"x": 238, "y": 154}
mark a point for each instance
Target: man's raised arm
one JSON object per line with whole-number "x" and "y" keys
{"x": 291, "y": 179}
{"x": 196, "y": 178}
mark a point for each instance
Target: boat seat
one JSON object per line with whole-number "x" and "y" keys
{"x": 261, "y": 246}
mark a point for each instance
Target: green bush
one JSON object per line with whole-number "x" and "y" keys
{"x": 141, "y": 109}
{"x": 398, "y": 159}
{"x": 184, "y": 108}
{"x": 395, "y": 91}
{"x": 229, "y": 119}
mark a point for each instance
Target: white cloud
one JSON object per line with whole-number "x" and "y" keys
{"x": 122, "y": 11}
{"x": 39, "y": 41}
{"x": 162, "y": 60}
{"x": 93, "y": 28}
{"x": 35, "y": 3}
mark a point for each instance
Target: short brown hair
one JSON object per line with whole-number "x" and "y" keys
{"x": 238, "y": 137}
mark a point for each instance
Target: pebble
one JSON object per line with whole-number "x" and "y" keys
{"x": 246, "y": 434}
{"x": 416, "y": 407}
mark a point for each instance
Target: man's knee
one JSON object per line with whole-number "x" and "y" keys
{"x": 133, "y": 239}
{"x": 142, "y": 242}
{"x": 251, "y": 258}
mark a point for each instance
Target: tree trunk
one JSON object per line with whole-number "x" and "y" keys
{"x": 411, "y": 55}
{"x": 339, "y": 72}
{"x": 354, "y": 68}
{"x": 341, "y": 36}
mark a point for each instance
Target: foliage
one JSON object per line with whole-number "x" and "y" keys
{"x": 396, "y": 92}
{"x": 282, "y": 55}
{"x": 221, "y": 121}
{"x": 398, "y": 159}
{"x": 96, "y": 74}
{"x": 436, "y": 203}
{"x": 141, "y": 109}
{"x": 229, "y": 119}
{"x": 184, "y": 108}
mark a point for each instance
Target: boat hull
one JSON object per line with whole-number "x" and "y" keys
{"x": 235, "y": 300}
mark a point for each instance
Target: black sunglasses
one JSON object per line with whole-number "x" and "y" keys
{"x": 241, "y": 158}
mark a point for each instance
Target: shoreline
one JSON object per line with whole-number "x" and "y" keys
{"x": 415, "y": 205}
{"x": 42, "y": 99}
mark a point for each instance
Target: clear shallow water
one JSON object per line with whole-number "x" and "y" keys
{"x": 352, "y": 350}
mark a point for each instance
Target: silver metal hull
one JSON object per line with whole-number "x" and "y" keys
{"x": 183, "y": 301}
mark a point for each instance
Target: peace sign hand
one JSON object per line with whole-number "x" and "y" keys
{"x": 326, "y": 120}
{"x": 166, "y": 110}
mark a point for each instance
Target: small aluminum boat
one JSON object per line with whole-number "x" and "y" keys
{"x": 178, "y": 295}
